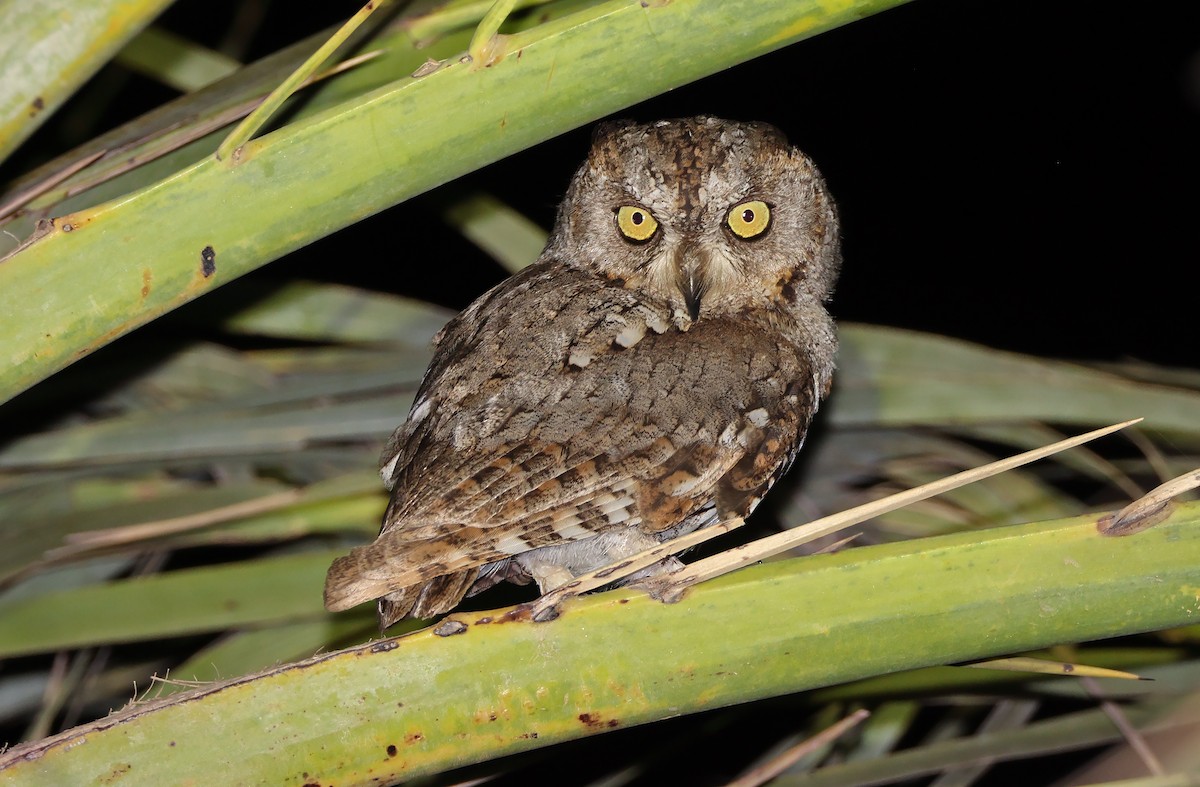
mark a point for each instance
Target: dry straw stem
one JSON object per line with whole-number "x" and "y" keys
{"x": 781, "y": 542}
{"x": 130, "y": 534}
{"x": 789, "y": 757}
{"x": 496, "y": 683}
{"x": 1151, "y": 508}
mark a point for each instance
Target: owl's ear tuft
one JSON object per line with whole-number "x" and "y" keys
{"x": 610, "y": 140}
{"x": 611, "y": 129}
{"x": 768, "y": 134}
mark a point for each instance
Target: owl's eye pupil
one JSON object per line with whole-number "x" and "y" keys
{"x": 637, "y": 218}
{"x": 748, "y": 216}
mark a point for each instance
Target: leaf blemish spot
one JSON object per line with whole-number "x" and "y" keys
{"x": 208, "y": 261}
{"x": 448, "y": 628}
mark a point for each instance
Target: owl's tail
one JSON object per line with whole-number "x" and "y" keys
{"x": 424, "y": 601}
{"x": 364, "y": 575}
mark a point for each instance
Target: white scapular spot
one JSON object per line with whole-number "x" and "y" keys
{"x": 759, "y": 417}
{"x": 630, "y": 335}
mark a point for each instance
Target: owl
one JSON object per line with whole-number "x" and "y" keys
{"x": 654, "y": 372}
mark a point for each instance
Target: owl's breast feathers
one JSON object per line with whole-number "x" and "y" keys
{"x": 560, "y": 406}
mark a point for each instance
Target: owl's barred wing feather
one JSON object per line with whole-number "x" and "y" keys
{"x": 510, "y": 482}
{"x": 576, "y": 502}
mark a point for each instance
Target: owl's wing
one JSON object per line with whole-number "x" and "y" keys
{"x": 529, "y": 496}
{"x": 518, "y": 445}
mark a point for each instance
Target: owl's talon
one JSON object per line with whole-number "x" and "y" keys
{"x": 663, "y": 588}
{"x": 548, "y": 607}
{"x": 544, "y": 613}
{"x": 674, "y": 592}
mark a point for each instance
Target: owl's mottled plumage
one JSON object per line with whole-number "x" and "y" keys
{"x": 618, "y": 392}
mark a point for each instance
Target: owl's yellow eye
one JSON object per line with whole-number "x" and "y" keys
{"x": 749, "y": 219}
{"x": 636, "y": 223}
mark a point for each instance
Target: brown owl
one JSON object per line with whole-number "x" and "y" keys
{"x": 654, "y": 372}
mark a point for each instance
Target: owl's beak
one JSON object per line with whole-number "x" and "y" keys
{"x": 692, "y": 286}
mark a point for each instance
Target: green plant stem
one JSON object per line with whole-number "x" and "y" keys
{"x": 482, "y": 685}
{"x": 51, "y": 48}
{"x": 92, "y": 275}
{"x": 250, "y": 125}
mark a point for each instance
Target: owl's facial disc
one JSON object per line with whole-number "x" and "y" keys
{"x": 691, "y": 273}
{"x": 713, "y": 219}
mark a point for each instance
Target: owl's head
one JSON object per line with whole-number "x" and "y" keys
{"x": 713, "y": 217}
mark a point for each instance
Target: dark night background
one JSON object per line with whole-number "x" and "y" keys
{"x": 1022, "y": 174}
{"x": 1019, "y": 174}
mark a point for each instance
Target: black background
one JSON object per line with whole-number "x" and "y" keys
{"x": 1022, "y": 174}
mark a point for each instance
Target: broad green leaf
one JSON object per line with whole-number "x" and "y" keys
{"x": 268, "y": 590}
{"x": 23, "y": 542}
{"x": 92, "y": 571}
{"x": 325, "y": 312}
{"x": 360, "y": 514}
{"x": 51, "y": 48}
{"x": 882, "y": 732}
{"x": 149, "y": 252}
{"x": 1063, "y": 733}
{"x": 506, "y": 235}
{"x": 482, "y": 685}
{"x": 243, "y": 652}
{"x": 212, "y": 434}
{"x": 893, "y": 377}
{"x": 175, "y": 61}
{"x": 248, "y": 513}
{"x": 184, "y": 131}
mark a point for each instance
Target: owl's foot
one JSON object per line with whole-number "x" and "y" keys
{"x": 550, "y": 577}
{"x": 662, "y": 581}
{"x": 654, "y": 570}
{"x": 625, "y": 572}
